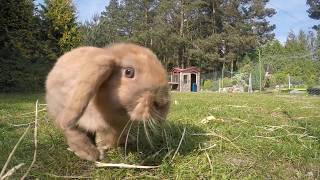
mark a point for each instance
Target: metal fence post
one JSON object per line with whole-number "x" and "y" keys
{"x": 250, "y": 84}
{"x": 260, "y": 69}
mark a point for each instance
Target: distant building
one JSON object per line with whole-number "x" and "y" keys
{"x": 185, "y": 80}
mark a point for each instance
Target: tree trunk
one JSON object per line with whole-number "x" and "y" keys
{"x": 231, "y": 68}
{"x": 181, "y": 48}
{"x": 213, "y": 18}
{"x": 181, "y": 18}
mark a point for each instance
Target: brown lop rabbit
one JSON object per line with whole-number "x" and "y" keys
{"x": 98, "y": 90}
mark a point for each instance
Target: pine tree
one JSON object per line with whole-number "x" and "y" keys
{"x": 303, "y": 41}
{"x": 22, "y": 51}
{"x": 60, "y": 22}
{"x": 92, "y": 33}
{"x": 314, "y": 10}
{"x": 112, "y": 22}
{"x": 317, "y": 46}
{"x": 204, "y": 33}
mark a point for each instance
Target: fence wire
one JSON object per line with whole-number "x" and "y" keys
{"x": 261, "y": 80}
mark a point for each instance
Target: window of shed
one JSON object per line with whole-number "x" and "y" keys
{"x": 185, "y": 79}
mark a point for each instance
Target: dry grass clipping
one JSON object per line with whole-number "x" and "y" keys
{"x": 35, "y": 142}
{"x": 182, "y": 137}
{"x": 122, "y": 165}
{"x": 12, "y": 171}
{"x": 12, "y": 152}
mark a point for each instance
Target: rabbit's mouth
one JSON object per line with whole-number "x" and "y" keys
{"x": 148, "y": 108}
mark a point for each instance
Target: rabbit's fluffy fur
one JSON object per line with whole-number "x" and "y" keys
{"x": 87, "y": 91}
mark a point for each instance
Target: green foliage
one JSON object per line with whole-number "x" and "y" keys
{"x": 240, "y": 79}
{"x": 297, "y": 58}
{"x": 313, "y": 11}
{"x": 227, "y": 82}
{"x": 184, "y": 33}
{"x": 32, "y": 39}
{"x": 280, "y": 78}
{"x": 207, "y": 84}
{"x": 60, "y": 24}
{"x": 258, "y": 71}
{"x": 24, "y": 54}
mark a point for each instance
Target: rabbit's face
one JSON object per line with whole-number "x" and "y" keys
{"x": 138, "y": 85}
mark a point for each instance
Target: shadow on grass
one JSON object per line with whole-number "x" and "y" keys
{"x": 164, "y": 144}
{"x": 53, "y": 158}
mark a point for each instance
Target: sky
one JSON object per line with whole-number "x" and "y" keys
{"x": 291, "y": 15}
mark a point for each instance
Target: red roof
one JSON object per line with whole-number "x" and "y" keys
{"x": 187, "y": 70}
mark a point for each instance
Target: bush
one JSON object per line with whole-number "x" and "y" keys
{"x": 279, "y": 78}
{"x": 207, "y": 84}
{"x": 227, "y": 82}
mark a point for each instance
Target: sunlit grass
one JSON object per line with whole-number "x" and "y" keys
{"x": 227, "y": 136}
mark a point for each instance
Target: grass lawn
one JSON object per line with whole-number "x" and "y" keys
{"x": 228, "y": 136}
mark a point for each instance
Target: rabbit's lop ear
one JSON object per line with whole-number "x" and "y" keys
{"x": 92, "y": 75}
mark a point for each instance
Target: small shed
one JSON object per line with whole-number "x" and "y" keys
{"x": 184, "y": 80}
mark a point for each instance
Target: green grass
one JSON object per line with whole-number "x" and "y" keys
{"x": 260, "y": 136}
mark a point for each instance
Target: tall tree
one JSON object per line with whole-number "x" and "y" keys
{"x": 21, "y": 48}
{"x": 60, "y": 22}
{"x": 237, "y": 27}
{"x": 205, "y": 33}
{"x": 314, "y": 10}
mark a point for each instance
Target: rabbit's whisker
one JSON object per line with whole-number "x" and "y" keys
{"x": 125, "y": 146}
{"x": 156, "y": 125}
{"x": 147, "y": 133}
{"x": 154, "y": 112}
{"x": 166, "y": 138}
{"x": 151, "y": 124}
{"x": 124, "y": 128}
{"x": 137, "y": 141}
{"x": 157, "y": 117}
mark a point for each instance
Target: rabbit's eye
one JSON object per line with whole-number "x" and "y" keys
{"x": 129, "y": 72}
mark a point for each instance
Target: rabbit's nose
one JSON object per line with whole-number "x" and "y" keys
{"x": 156, "y": 104}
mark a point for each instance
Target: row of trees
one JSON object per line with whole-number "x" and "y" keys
{"x": 31, "y": 39}
{"x": 211, "y": 34}
{"x": 298, "y": 58}
{"x": 203, "y": 33}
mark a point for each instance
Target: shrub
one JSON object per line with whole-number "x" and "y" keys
{"x": 207, "y": 84}
{"x": 279, "y": 78}
{"x": 227, "y": 82}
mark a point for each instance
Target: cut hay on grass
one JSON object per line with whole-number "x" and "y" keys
{"x": 68, "y": 177}
{"x": 180, "y": 142}
{"x": 12, "y": 171}
{"x": 35, "y": 142}
{"x": 122, "y": 165}
{"x": 15, "y": 168}
{"x": 12, "y": 152}
{"x": 219, "y": 136}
